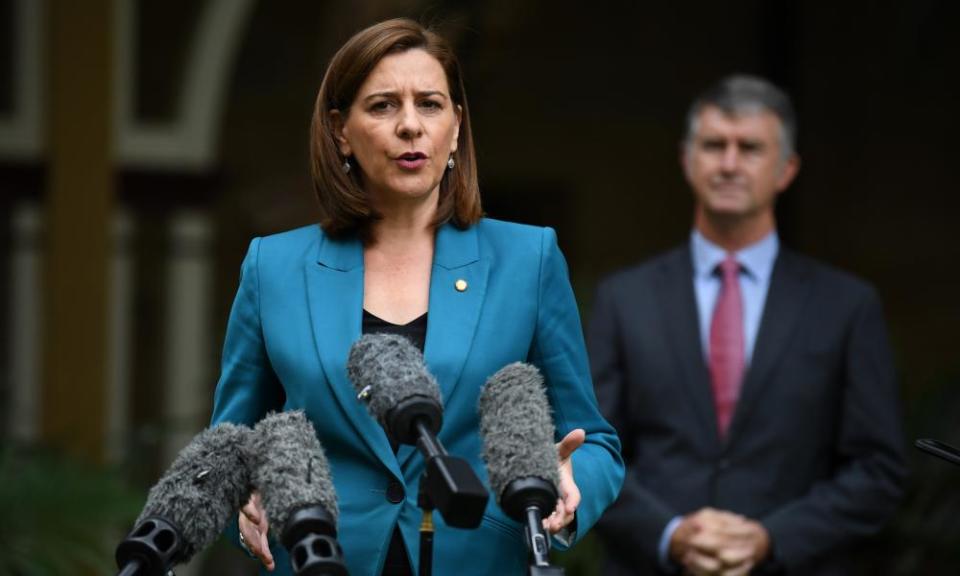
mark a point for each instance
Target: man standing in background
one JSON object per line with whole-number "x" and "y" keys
{"x": 752, "y": 387}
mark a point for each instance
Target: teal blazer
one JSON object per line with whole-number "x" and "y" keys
{"x": 299, "y": 309}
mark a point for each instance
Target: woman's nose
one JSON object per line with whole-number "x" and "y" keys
{"x": 408, "y": 123}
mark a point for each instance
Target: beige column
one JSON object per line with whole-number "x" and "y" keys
{"x": 79, "y": 199}
{"x": 26, "y": 320}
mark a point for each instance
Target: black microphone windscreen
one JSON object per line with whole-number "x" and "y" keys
{"x": 204, "y": 487}
{"x": 517, "y": 428}
{"x": 385, "y": 370}
{"x": 290, "y": 468}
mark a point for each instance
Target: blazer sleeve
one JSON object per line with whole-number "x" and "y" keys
{"x": 871, "y": 469}
{"x": 635, "y": 523}
{"x": 248, "y": 387}
{"x": 560, "y": 353}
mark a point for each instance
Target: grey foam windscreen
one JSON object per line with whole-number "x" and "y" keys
{"x": 386, "y": 369}
{"x": 204, "y": 487}
{"x": 290, "y": 468}
{"x": 517, "y": 428}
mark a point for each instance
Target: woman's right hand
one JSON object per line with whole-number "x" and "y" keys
{"x": 253, "y": 530}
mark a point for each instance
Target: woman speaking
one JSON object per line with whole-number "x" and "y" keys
{"x": 402, "y": 247}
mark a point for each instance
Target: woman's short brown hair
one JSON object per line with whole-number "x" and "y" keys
{"x": 344, "y": 206}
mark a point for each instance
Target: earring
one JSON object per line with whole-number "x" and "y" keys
{"x": 451, "y": 163}
{"x": 346, "y": 165}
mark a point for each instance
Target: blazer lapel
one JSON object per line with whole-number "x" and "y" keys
{"x": 789, "y": 288}
{"x": 683, "y": 331}
{"x": 458, "y": 284}
{"x": 335, "y": 298}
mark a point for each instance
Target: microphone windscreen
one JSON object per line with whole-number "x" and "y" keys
{"x": 386, "y": 369}
{"x": 202, "y": 490}
{"x": 290, "y": 469}
{"x": 517, "y": 428}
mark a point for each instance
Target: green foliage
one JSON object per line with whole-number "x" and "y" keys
{"x": 62, "y": 516}
{"x": 584, "y": 559}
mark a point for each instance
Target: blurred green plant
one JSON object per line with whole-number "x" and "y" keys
{"x": 584, "y": 559}
{"x": 62, "y": 516}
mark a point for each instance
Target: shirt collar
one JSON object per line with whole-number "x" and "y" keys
{"x": 756, "y": 259}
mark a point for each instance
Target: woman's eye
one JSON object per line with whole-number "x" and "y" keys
{"x": 381, "y": 106}
{"x": 431, "y": 105}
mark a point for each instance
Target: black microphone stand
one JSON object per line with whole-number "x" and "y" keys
{"x": 426, "y": 530}
{"x": 452, "y": 485}
{"x": 135, "y": 568}
{"x": 939, "y": 449}
{"x": 447, "y": 483}
{"x": 539, "y": 545}
{"x": 527, "y": 500}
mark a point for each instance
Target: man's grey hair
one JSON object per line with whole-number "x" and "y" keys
{"x": 740, "y": 94}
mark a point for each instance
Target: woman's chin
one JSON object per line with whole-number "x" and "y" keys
{"x": 410, "y": 192}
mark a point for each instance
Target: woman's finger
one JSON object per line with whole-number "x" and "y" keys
{"x": 265, "y": 556}
{"x": 255, "y": 536}
{"x": 253, "y": 509}
{"x": 569, "y": 492}
{"x": 558, "y": 519}
{"x": 570, "y": 443}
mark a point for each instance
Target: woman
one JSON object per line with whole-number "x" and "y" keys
{"x": 402, "y": 247}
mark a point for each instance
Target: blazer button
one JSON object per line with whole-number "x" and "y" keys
{"x": 395, "y": 492}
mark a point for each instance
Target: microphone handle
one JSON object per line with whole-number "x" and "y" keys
{"x": 131, "y": 569}
{"x": 537, "y": 539}
{"x": 428, "y": 444}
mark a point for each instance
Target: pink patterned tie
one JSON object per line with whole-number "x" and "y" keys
{"x": 726, "y": 344}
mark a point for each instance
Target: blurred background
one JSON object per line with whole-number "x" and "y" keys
{"x": 144, "y": 142}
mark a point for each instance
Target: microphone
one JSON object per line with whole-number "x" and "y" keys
{"x": 292, "y": 474}
{"x": 389, "y": 374}
{"x": 518, "y": 447}
{"x": 191, "y": 504}
{"x": 939, "y": 449}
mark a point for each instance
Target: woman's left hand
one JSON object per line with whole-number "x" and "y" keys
{"x": 569, "y": 493}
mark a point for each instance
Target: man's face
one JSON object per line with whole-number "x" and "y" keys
{"x": 734, "y": 164}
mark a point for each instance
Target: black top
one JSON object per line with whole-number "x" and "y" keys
{"x": 397, "y": 563}
{"x": 415, "y": 330}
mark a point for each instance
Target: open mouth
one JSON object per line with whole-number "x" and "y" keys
{"x": 412, "y": 160}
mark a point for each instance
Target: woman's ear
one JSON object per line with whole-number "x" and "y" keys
{"x": 339, "y": 135}
{"x": 456, "y": 129}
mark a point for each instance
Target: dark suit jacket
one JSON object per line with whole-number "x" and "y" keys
{"x": 814, "y": 450}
